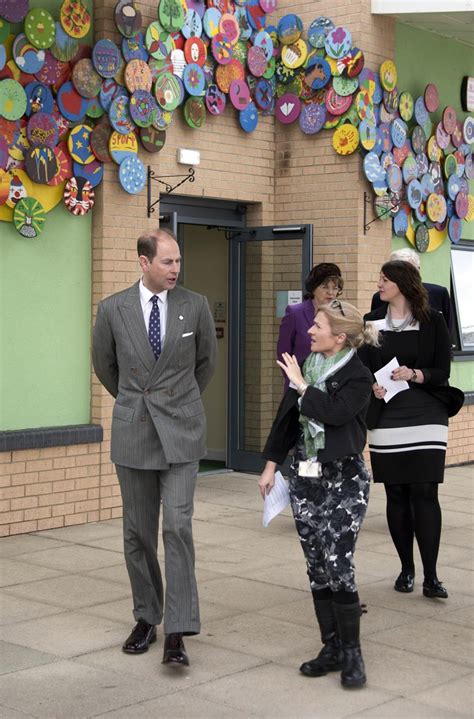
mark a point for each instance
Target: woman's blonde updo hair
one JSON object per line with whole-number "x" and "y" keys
{"x": 344, "y": 317}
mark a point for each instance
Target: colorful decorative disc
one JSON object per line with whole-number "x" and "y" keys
{"x": 79, "y": 144}
{"x": 64, "y": 47}
{"x": 262, "y": 39}
{"x": 128, "y": 18}
{"x": 158, "y": 42}
{"x": 41, "y": 164}
{"x": 195, "y": 112}
{"x": 29, "y": 217}
{"x": 433, "y": 150}
{"x": 468, "y": 130}
{"x": 436, "y": 207}
{"x": 427, "y": 185}
{"x": 239, "y": 94}
{"x": 409, "y": 169}
{"x": 192, "y": 25}
{"x": 317, "y": 74}
{"x": 290, "y": 28}
{"x": 312, "y": 118}
{"x": 406, "y": 106}
{"x": 372, "y": 167}
{"x": 211, "y": 20}
{"x": 132, "y": 175}
{"x": 264, "y": 94}
{"x": 450, "y": 165}
{"x": 40, "y": 28}
{"x": 85, "y": 79}
{"x": 79, "y": 196}
{"x": 152, "y": 140}
{"x": 400, "y": 223}
{"x": 99, "y": 141}
{"x": 418, "y": 140}
{"x": 172, "y": 14}
{"x": 421, "y": 113}
{"x": 287, "y": 108}
{"x": 394, "y": 178}
{"x": 133, "y": 48}
{"x": 106, "y": 58}
{"x": 13, "y": 101}
{"x": 338, "y": 42}
{"x": 75, "y": 18}
{"x": 42, "y": 129}
{"x": 449, "y": 119}
{"x": 138, "y": 76}
{"x": 431, "y": 98}
{"x": 457, "y": 134}
{"x": 344, "y": 85}
{"x": 215, "y": 100}
{"x": 294, "y": 55}
{"x": 422, "y": 238}
{"x": 462, "y": 205}
{"x": 346, "y": 139}
{"x": 194, "y": 80}
{"x": 248, "y": 118}
{"x": 64, "y": 165}
{"x": 454, "y": 229}
{"x": 14, "y": 10}
{"x": 399, "y": 131}
{"x": 27, "y": 57}
{"x": 119, "y": 115}
{"x": 388, "y": 75}
{"x": 93, "y": 172}
{"x": 168, "y": 91}
{"x": 256, "y": 61}
{"x": 318, "y": 30}
{"x": 335, "y": 104}
{"x": 195, "y": 51}
{"x": 143, "y": 108}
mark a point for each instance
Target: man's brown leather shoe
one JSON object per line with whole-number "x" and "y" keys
{"x": 174, "y": 650}
{"x": 143, "y": 634}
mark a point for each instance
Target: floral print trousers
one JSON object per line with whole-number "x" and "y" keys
{"x": 328, "y": 512}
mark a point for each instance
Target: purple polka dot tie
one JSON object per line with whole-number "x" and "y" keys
{"x": 154, "y": 328}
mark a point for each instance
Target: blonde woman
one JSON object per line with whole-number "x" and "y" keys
{"x": 322, "y": 417}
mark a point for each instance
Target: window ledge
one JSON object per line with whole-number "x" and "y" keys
{"x": 15, "y": 440}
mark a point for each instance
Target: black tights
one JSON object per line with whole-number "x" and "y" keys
{"x": 413, "y": 511}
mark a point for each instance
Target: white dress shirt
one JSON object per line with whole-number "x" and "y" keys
{"x": 147, "y": 306}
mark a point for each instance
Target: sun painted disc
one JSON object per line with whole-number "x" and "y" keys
{"x": 64, "y": 165}
{"x": 29, "y": 217}
{"x": 41, "y": 164}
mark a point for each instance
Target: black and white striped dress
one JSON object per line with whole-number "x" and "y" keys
{"x": 409, "y": 443}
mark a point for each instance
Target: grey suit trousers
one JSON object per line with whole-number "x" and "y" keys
{"x": 142, "y": 493}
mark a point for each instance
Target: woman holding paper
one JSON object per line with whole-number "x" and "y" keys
{"x": 408, "y": 430}
{"x": 322, "y": 417}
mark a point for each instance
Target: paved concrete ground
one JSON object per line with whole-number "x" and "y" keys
{"x": 65, "y": 610}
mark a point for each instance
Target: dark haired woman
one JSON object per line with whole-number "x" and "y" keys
{"x": 329, "y": 483}
{"x": 408, "y": 435}
{"x": 323, "y": 284}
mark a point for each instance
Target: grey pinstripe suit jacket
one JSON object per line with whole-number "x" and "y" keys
{"x": 158, "y": 407}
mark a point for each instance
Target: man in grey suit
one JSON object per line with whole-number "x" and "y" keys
{"x": 154, "y": 350}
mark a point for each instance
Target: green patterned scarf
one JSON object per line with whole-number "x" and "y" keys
{"x": 316, "y": 369}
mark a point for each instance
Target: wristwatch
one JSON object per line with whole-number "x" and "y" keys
{"x": 413, "y": 376}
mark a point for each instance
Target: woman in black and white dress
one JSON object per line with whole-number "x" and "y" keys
{"x": 408, "y": 435}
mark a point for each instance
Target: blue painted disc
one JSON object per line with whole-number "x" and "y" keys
{"x": 248, "y": 118}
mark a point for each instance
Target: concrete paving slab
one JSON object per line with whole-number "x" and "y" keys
{"x": 184, "y": 704}
{"x": 245, "y": 595}
{"x": 70, "y": 591}
{"x": 273, "y": 691}
{"x": 9, "y": 713}
{"x": 72, "y": 690}
{"x": 408, "y": 709}
{"x": 25, "y": 543}
{"x": 73, "y": 556}
{"x": 463, "y": 616}
{"x": 67, "y": 635}
{"x": 118, "y": 573}
{"x": 207, "y": 662}
{"x": 432, "y": 638}
{"x": 456, "y": 695}
{"x": 14, "y": 657}
{"x": 225, "y": 560}
{"x": 458, "y": 536}
{"x": 15, "y": 571}
{"x": 16, "y": 609}
{"x": 84, "y": 532}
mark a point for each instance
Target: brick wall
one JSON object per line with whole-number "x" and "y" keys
{"x": 285, "y": 177}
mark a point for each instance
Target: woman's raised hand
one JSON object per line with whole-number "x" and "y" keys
{"x": 291, "y": 368}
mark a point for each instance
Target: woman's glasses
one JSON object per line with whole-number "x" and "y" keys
{"x": 336, "y": 305}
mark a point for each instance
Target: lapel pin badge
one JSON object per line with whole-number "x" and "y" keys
{"x": 181, "y": 317}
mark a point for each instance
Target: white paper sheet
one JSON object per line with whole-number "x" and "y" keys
{"x": 277, "y": 500}
{"x": 384, "y": 379}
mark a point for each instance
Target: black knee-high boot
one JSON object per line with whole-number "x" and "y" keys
{"x": 348, "y": 626}
{"x": 329, "y": 658}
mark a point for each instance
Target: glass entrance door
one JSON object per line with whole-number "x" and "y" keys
{"x": 266, "y": 263}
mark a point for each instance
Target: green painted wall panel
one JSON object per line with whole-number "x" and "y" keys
{"x": 45, "y": 316}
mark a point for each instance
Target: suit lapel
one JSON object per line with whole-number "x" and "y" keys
{"x": 132, "y": 314}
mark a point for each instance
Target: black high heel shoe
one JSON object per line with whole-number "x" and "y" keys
{"x": 433, "y": 589}
{"x": 404, "y": 582}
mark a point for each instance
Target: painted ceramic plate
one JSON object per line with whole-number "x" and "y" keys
{"x": 93, "y": 172}
{"x": 106, "y": 58}
{"x": 79, "y": 196}
{"x": 75, "y": 18}
{"x": 422, "y": 238}
{"x": 27, "y": 57}
{"x": 128, "y": 18}
{"x": 79, "y": 144}
{"x": 41, "y": 164}
{"x": 99, "y": 141}
{"x": 388, "y": 75}
{"x": 338, "y": 42}
{"x": 345, "y": 140}
{"x": 312, "y": 118}
{"x": 119, "y": 115}
{"x": 42, "y": 129}
{"x": 152, "y": 140}
{"x": 138, "y": 76}
{"x": 85, "y": 79}
{"x": 431, "y": 98}
{"x": 13, "y": 101}
{"x": 215, "y": 100}
{"x": 64, "y": 47}
{"x": 248, "y": 118}
{"x": 287, "y": 108}
{"x": 40, "y": 28}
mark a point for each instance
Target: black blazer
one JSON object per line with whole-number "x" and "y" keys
{"x": 439, "y": 300}
{"x": 434, "y": 357}
{"x": 341, "y": 409}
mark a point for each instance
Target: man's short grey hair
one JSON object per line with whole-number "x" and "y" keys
{"x": 406, "y": 255}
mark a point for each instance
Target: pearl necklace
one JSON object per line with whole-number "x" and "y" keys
{"x": 397, "y": 328}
